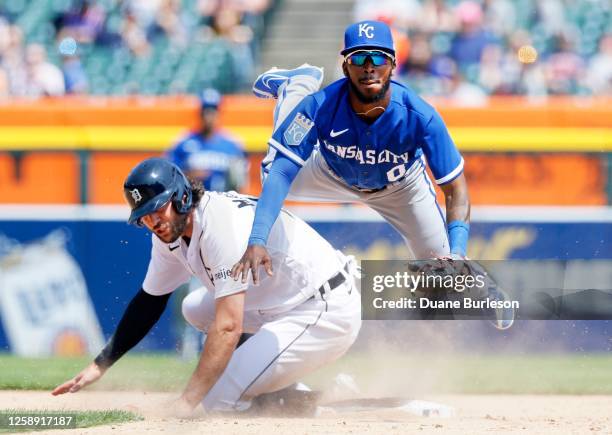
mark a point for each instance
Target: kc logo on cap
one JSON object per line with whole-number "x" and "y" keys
{"x": 368, "y": 35}
{"x": 367, "y": 30}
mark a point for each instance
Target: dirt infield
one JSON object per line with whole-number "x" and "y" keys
{"x": 474, "y": 414}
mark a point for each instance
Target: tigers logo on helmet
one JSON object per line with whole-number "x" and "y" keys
{"x": 136, "y": 195}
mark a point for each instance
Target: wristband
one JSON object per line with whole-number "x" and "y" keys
{"x": 458, "y": 234}
{"x": 256, "y": 240}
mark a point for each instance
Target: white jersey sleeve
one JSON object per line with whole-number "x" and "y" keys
{"x": 165, "y": 272}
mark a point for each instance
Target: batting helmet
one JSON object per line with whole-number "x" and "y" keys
{"x": 151, "y": 184}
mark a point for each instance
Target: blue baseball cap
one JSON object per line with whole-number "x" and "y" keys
{"x": 210, "y": 99}
{"x": 368, "y": 35}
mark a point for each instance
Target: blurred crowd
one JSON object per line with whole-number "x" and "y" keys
{"x": 462, "y": 49}
{"x": 468, "y": 50}
{"x": 45, "y": 44}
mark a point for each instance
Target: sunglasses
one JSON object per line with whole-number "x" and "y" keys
{"x": 359, "y": 58}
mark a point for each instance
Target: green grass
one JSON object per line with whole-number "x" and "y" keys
{"x": 157, "y": 372}
{"x": 81, "y": 419}
{"x": 431, "y": 373}
{"x": 482, "y": 374}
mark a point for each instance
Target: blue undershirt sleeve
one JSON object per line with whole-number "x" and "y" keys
{"x": 275, "y": 189}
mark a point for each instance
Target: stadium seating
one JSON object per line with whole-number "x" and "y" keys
{"x": 210, "y": 58}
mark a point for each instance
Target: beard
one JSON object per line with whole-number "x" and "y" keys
{"x": 175, "y": 229}
{"x": 367, "y": 99}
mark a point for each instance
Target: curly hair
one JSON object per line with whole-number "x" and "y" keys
{"x": 197, "y": 191}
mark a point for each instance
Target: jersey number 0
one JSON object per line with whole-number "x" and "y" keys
{"x": 396, "y": 173}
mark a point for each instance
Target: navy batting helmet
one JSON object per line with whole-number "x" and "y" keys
{"x": 151, "y": 184}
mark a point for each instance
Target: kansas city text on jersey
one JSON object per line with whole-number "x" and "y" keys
{"x": 369, "y": 157}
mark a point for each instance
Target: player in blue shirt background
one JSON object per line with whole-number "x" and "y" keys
{"x": 364, "y": 138}
{"x": 211, "y": 155}
{"x": 218, "y": 161}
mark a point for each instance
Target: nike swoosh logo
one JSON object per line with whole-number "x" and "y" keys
{"x": 266, "y": 80}
{"x": 337, "y": 133}
{"x": 172, "y": 248}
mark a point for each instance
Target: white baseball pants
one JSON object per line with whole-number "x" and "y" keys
{"x": 286, "y": 345}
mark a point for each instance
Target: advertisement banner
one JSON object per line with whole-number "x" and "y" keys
{"x": 44, "y": 304}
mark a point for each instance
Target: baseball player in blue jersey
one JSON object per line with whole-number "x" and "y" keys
{"x": 364, "y": 138}
{"x": 210, "y": 155}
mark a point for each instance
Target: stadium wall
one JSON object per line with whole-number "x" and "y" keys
{"x": 63, "y": 161}
{"x": 113, "y": 256}
{"x": 517, "y": 152}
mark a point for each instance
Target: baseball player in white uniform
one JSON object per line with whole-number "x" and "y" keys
{"x": 307, "y": 314}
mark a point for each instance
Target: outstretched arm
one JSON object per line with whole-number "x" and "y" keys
{"x": 457, "y": 214}
{"x": 447, "y": 168}
{"x": 222, "y": 339}
{"x": 139, "y": 317}
{"x": 275, "y": 189}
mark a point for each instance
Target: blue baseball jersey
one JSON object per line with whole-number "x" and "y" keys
{"x": 219, "y": 161}
{"x": 369, "y": 156}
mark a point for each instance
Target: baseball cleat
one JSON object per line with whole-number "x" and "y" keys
{"x": 267, "y": 85}
{"x": 294, "y": 400}
{"x": 504, "y": 317}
